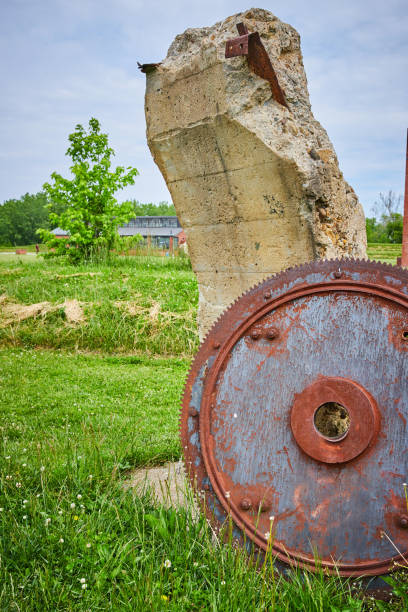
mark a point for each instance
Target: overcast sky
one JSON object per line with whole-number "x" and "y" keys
{"x": 64, "y": 61}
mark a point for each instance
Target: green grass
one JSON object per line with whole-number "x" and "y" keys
{"x": 387, "y": 253}
{"x": 72, "y": 428}
{"x": 76, "y": 418}
{"x": 129, "y": 406}
{"x": 117, "y": 299}
{"x": 30, "y": 248}
{"x": 139, "y": 305}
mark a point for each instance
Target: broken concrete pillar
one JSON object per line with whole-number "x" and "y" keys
{"x": 256, "y": 185}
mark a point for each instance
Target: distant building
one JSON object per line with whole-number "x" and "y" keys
{"x": 60, "y": 233}
{"x": 159, "y": 232}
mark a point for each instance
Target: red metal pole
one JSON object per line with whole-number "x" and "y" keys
{"x": 404, "y": 258}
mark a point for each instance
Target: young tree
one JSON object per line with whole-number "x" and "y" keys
{"x": 87, "y": 208}
{"x": 393, "y": 228}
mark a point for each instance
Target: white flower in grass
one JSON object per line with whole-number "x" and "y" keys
{"x": 25, "y": 501}
{"x": 18, "y": 485}
{"x": 1, "y": 509}
{"x": 8, "y": 477}
{"x": 84, "y": 585}
{"x": 227, "y": 494}
{"x": 79, "y": 496}
{"x": 8, "y": 457}
{"x": 81, "y": 506}
{"x": 195, "y": 563}
{"x": 271, "y": 518}
{"x": 24, "y": 450}
{"x": 25, "y": 516}
{"x": 72, "y": 505}
{"x": 47, "y": 522}
{"x": 88, "y": 545}
{"x": 24, "y": 465}
{"x": 42, "y": 468}
{"x": 167, "y": 563}
{"x": 267, "y": 535}
{"x": 223, "y": 582}
{"x": 61, "y": 540}
{"x": 82, "y": 580}
{"x": 38, "y": 494}
{"x": 90, "y": 476}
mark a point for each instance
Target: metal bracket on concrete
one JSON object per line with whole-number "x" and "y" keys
{"x": 250, "y": 44}
{"x": 146, "y": 68}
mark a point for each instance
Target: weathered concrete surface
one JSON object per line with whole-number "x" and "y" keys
{"x": 257, "y": 187}
{"x": 167, "y": 483}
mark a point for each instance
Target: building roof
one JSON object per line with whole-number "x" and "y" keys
{"x": 151, "y": 226}
{"x": 149, "y": 231}
{"x": 59, "y": 232}
{"x": 145, "y": 226}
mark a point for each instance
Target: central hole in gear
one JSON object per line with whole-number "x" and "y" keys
{"x": 332, "y": 420}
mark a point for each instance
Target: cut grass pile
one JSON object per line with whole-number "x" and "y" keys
{"x": 135, "y": 305}
{"x": 140, "y": 305}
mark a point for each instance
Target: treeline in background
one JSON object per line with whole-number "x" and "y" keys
{"x": 20, "y": 219}
{"x": 385, "y": 226}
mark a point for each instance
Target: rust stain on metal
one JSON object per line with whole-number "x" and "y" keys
{"x": 250, "y": 45}
{"x": 256, "y": 448}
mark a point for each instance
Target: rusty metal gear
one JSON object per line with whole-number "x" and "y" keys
{"x": 317, "y": 347}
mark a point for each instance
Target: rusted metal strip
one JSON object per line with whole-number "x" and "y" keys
{"x": 250, "y": 44}
{"x": 404, "y": 258}
{"x": 146, "y": 68}
{"x": 237, "y": 46}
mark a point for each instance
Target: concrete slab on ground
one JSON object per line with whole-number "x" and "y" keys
{"x": 168, "y": 484}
